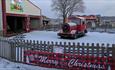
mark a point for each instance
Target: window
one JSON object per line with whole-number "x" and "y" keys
{"x": 76, "y": 21}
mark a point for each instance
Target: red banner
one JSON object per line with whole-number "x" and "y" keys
{"x": 67, "y": 61}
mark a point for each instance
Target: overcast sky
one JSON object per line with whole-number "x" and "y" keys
{"x": 101, "y": 7}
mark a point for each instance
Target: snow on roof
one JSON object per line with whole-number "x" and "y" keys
{"x": 72, "y": 24}
{"x": 81, "y": 18}
{"x": 30, "y": 1}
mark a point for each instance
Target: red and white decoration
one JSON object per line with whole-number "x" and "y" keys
{"x": 66, "y": 61}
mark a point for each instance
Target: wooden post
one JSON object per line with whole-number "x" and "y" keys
{"x": 113, "y": 56}
{"x": 69, "y": 48}
{"x": 4, "y": 17}
{"x": 27, "y": 24}
{"x": 21, "y": 48}
{"x": 52, "y": 45}
{"x": 78, "y": 48}
{"x": 103, "y": 49}
{"x": 83, "y": 51}
{"x": 17, "y": 50}
{"x": 13, "y": 51}
{"x": 98, "y": 47}
{"x": 48, "y": 46}
{"x": 65, "y": 48}
{"x": 41, "y": 46}
{"x": 45, "y": 48}
{"x": 74, "y": 51}
{"x": 24, "y": 49}
{"x": 108, "y": 51}
{"x": 87, "y": 49}
{"x": 38, "y": 48}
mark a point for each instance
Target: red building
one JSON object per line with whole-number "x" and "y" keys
{"x": 18, "y": 16}
{"x": 90, "y": 19}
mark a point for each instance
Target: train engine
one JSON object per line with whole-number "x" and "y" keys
{"x": 74, "y": 28}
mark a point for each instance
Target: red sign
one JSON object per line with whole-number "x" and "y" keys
{"x": 66, "y": 61}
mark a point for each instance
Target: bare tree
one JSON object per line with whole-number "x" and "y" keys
{"x": 66, "y": 8}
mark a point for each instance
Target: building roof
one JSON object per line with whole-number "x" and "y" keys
{"x": 108, "y": 18}
{"x": 33, "y": 4}
{"x": 90, "y": 17}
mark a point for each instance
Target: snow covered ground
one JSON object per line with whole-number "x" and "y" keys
{"x": 91, "y": 37}
{"x": 7, "y": 65}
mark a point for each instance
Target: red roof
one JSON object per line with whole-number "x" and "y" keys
{"x": 86, "y": 17}
{"x": 90, "y": 17}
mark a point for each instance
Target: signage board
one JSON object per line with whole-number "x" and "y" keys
{"x": 17, "y": 5}
{"x": 66, "y": 61}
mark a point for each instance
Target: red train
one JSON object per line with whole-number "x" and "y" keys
{"x": 74, "y": 28}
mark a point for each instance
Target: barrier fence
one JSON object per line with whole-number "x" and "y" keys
{"x": 69, "y": 56}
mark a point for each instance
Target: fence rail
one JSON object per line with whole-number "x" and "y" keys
{"x": 14, "y": 49}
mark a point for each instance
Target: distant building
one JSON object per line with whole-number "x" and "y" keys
{"x": 56, "y": 21}
{"x": 18, "y": 16}
{"x": 45, "y": 20}
{"x": 91, "y": 20}
{"x": 55, "y": 24}
{"x": 108, "y": 20}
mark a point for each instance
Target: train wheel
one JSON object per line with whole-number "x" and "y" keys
{"x": 61, "y": 36}
{"x": 75, "y": 36}
{"x": 85, "y": 31}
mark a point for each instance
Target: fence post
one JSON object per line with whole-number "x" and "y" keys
{"x": 103, "y": 49}
{"x": 87, "y": 53}
{"x": 78, "y": 46}
{"x": 69, "y": 47}
{"x": 74, "y": 51}
{"x": 21, "y": 51}
{"x": 113, "y": 56}
{"x": 65, "y": 48}
{"x": 97, "y": 50}
{"x": 83, "y": 51}
{"x": 38, "y": 46}
{"x": 34, "y": 45}
{"x": 24, "y": 49}
{"x": 48, "y": 44}
{"x": 45, "y": 46}
{"x": 52, "y": 46}
{"x": 13, "y": 51}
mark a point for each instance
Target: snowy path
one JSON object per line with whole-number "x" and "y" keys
{"x": 91, "y": 37}
{"x": 7, "y": 65}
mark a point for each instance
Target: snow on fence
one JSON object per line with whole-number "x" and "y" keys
{"x": 57, "y": 55}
